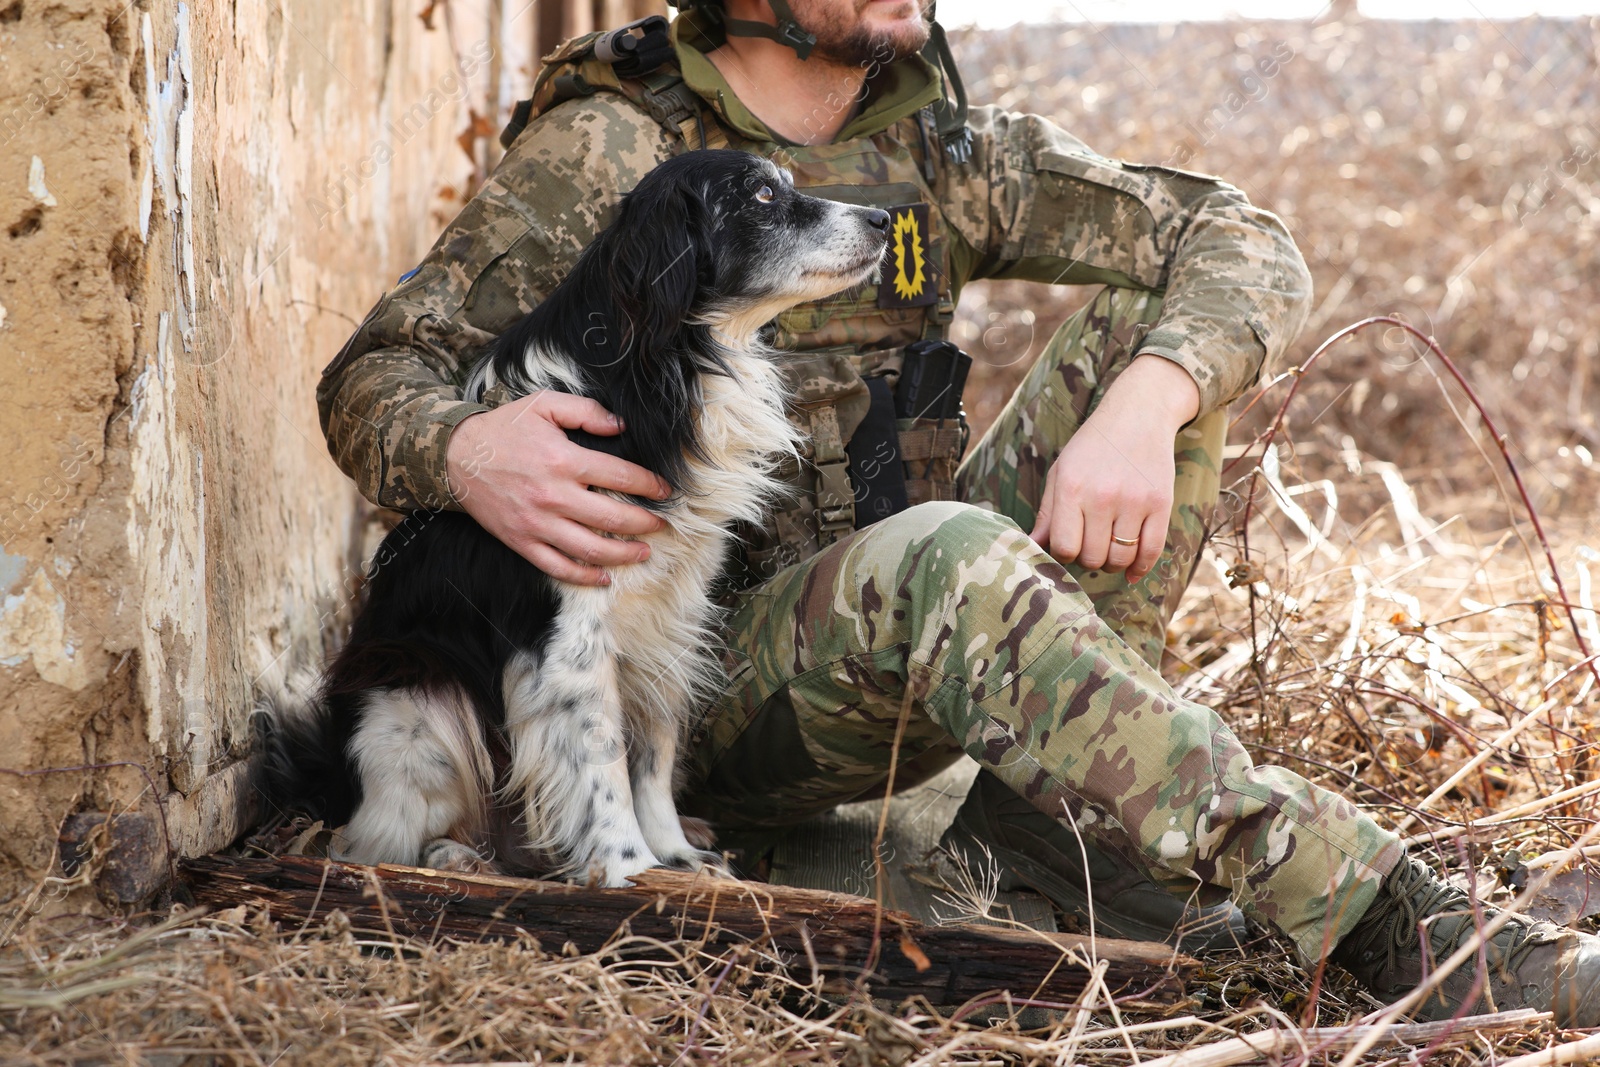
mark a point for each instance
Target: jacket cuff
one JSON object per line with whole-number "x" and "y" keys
{"x": 420, "y": 462}
{"x": 1204, "y": 375}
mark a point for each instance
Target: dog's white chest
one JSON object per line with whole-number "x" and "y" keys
{"x": 655, "y": 616}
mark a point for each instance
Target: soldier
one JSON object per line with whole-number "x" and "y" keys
{"x": 1016, "y": 603}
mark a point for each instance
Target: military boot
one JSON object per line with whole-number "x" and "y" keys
{"x": 1530, "y": 964}
{"x": 1034, "y": 850}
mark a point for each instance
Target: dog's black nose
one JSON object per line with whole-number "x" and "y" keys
{"x": 877, "y": 219}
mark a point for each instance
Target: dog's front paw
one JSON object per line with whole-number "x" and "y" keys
{"x": 445, "y": 854}
{"x": 697, "y": 861}
{"x": 613, "y": 870}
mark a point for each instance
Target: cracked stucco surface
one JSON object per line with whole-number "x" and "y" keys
{"x": 170, "y": 523}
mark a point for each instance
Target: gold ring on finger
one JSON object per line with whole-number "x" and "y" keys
{"x": 1130, "y": 542}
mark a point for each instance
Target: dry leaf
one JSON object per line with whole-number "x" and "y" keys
{"x": 1245, "y": 572}
{"x": 1568, "y": 897}
{"x": 919, "y": 959}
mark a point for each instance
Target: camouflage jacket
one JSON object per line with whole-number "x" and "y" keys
{"x": 1032, "y": 203}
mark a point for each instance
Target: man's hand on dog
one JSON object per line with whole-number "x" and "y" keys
{"x": 515, "y": 471}
{"x": 1114, "y": 478}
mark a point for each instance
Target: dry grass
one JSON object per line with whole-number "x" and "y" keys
{"x": 1398, "y": 625}
{"x": 231, "y": 988}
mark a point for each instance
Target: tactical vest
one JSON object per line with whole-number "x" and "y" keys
{"x": 833, "y": 349}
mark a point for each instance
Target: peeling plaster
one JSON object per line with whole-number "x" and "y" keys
{"x": 169, "y": 169}
{"x": 33, "y": 626}
{"x": 152, "y": 126}
{"x": 166, "y": 534}
{"x": 36, "y": 186}
{"x": 184, "y": 163}
{"x": 230, "y": 140}
{"x": 11, "y": 568}
{"x": 166, "y": 521}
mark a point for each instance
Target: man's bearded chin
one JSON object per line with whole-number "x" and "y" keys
{"x": 854, "y": 44}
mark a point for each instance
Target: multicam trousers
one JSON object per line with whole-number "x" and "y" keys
{"x": 1044, "y": 674}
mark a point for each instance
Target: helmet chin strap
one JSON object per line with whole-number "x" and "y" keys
{"x": 950, "y": 113}
{"x": 786, "y": 32}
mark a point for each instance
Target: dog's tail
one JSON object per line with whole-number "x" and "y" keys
{"x": 301, "y": 764}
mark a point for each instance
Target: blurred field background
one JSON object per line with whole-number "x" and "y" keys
{"x": 1389, "y": 627}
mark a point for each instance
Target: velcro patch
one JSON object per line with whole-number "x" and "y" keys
{"x": 908, "y": 280}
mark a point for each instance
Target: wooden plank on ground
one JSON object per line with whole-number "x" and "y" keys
{"x": 834, "y": 932}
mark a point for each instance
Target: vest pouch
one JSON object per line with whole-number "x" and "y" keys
{"x": 827, "y": 401}
{"x": 824, "y": 388}
{"x": 931, "y": 450}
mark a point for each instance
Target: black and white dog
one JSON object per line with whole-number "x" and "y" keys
{"x": 484, "y": 716}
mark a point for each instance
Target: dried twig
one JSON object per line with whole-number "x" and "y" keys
{"x": 1267, "y": 1044}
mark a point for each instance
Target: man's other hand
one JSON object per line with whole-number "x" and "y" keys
{"x": 1108, "y": 497}
{"x": 515, "y": 471}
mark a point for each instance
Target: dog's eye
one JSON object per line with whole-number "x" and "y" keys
{"x": 765, "y": 194}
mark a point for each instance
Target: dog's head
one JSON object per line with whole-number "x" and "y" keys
{"x": 723, "y": 239}
{"x": 706, "y": 249}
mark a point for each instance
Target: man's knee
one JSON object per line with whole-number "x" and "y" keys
{"x": 942, "y": 532}
{"x": 929, "y": 552}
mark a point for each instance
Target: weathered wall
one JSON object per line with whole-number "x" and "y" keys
{"x": 196, "y": 204}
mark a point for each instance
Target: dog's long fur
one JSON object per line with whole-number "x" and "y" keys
{"x": 486, "y": 716}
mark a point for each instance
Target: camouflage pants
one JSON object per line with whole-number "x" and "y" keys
{"x": 1042, "y": 673}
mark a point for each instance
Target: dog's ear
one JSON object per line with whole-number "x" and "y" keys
{"x": 660, "y": 261}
